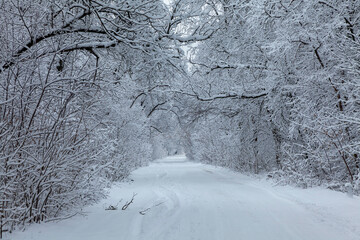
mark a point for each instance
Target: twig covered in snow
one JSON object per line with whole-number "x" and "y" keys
{"x": 143, "y": 212}
{"x": 127, "y": 204}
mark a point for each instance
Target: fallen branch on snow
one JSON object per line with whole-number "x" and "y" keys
{"x": 143, "y": 212}
{"x": 127, "y": 204}
{"x": 113, "y": 207}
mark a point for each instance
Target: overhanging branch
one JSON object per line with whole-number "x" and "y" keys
{"x": 226, "y": 95}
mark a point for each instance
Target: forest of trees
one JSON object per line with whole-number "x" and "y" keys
{"x": 92, "y": 89}
{"x": 288, "y": 75}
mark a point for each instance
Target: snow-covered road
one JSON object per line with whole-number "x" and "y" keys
{"x": 185, "y": 200}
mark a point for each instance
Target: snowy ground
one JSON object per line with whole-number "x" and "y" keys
{"x": 188, "y": 200}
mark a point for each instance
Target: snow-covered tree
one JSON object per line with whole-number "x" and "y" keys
{"x": 69, "y": 73}
{"x": 287, "y": 72}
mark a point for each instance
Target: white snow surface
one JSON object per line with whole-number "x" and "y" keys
{"x": 188, "y": 200}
